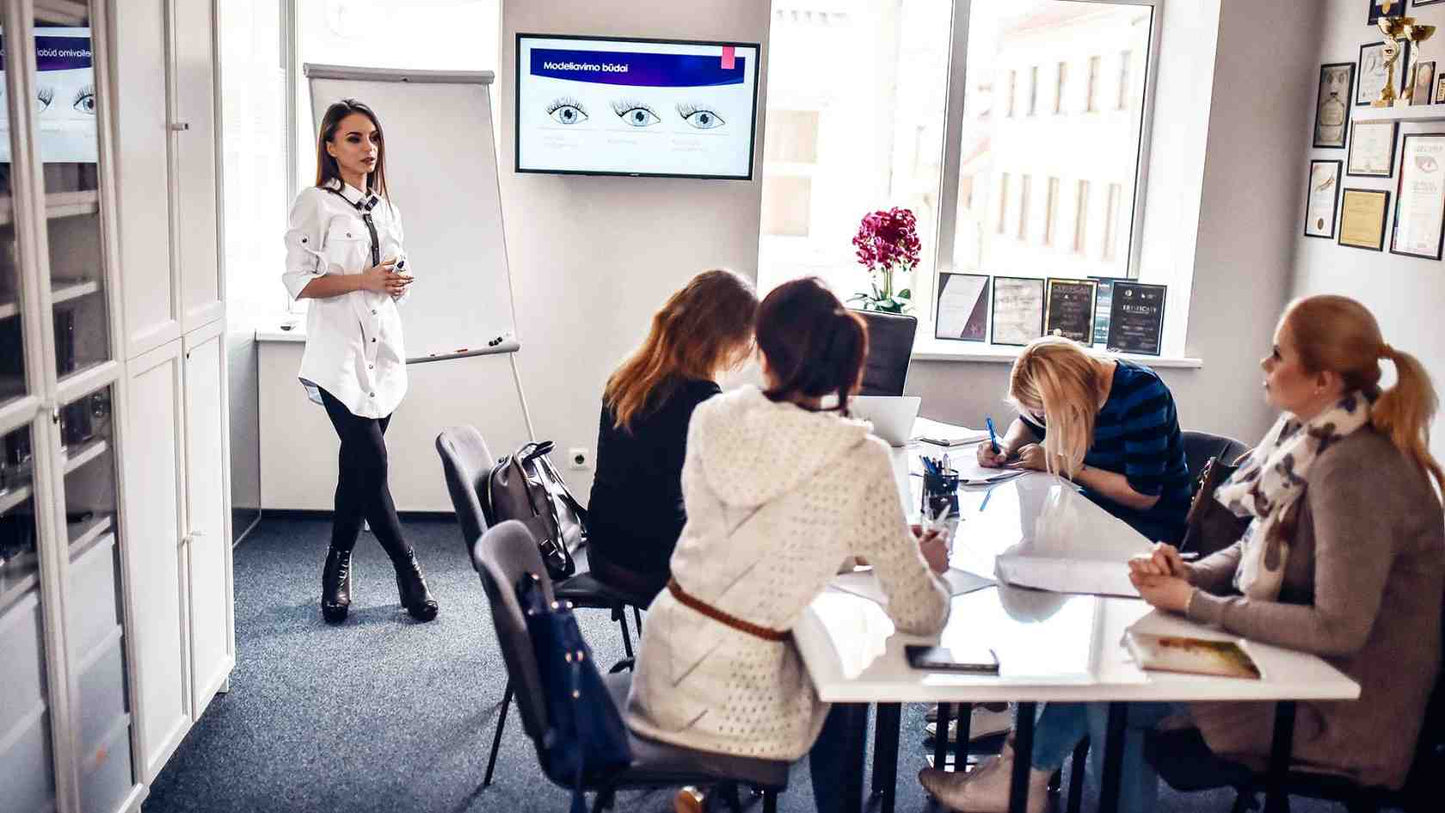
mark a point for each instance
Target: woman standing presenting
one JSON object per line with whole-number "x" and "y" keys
{"x": 344, "y": 253}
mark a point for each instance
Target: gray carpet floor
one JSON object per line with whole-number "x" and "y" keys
{"x": 385, "y": 714}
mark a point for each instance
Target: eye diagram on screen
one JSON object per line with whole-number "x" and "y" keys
{"x": 635, "y": 107}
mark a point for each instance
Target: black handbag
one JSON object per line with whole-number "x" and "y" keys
{"x": 585, "y": 739}
{"x": 1210, "y": 527}
{"x": 525, "y": 486}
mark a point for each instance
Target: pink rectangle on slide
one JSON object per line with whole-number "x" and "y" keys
{"x": 727, "y": 58}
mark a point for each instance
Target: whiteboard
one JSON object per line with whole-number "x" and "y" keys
{"x": 441, "y": 173}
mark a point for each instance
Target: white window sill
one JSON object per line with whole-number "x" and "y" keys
{"x": 929, "y": 349}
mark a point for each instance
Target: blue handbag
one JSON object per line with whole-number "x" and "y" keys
{"x": 585, "y": 737}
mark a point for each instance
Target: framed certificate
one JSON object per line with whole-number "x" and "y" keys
{"x": 1386, "y": 8}
{"x": 1362, "y": 218}
{"x": 1103, "y": 301}
{"x": 1420, "y": 197}
{"x": 1136, "y": 318}
{"x": 1069, "y": 310}
{"x": 1372, "y": 149}
{"x": 1440, "y": 87}
{"x": 1428, "y": 2}
{"x": 1424, "y": 83}
{"x": 1018, "y": 310}
{"x": 962, "y": 307}
{"x": 1332, "y": 104}
{"x": 1323, "y": 197}
{"x": 1370, "y": 78}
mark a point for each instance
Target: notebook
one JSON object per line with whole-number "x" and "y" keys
{"x": 1200, "y": 656}
{"x": 946, "y": 434}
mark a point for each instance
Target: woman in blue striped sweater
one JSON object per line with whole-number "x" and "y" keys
{"x": 1107, "y": 424}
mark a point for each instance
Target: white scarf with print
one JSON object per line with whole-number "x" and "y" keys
{"x": 1269, "y": 484}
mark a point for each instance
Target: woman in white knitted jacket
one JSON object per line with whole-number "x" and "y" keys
{"x": 779, "y": 492}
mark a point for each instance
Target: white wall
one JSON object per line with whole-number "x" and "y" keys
{"x": 1221, "y": 201}
{"x": 1406, "y": 294}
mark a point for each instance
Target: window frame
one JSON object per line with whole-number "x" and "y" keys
{"x": 925, "y": 306}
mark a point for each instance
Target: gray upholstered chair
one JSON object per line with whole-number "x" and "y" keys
{"x": 504, "y": 555}
{"x": 890, "y": 347}
{"x": 1199, "y": 447}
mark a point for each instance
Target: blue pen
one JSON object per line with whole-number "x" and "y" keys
{"x": 992, "y": 437}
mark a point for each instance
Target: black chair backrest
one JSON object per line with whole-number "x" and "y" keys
{"x": 1199, "y": 447}
{"x": 890, "y": 346}
{"x": 1425, "y": 778}
{"x": 503, "y": 555}
{"x": 466, "y": 462}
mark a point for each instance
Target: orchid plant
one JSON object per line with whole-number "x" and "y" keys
{"x": 887, "y": 244}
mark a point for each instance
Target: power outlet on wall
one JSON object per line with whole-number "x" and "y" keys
{"x": 579, "y": 458}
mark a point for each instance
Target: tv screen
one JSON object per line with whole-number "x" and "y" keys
{"x": 602, "y": 106}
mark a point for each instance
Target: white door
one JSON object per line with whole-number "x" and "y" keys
{"x": 156, "y": 567}
{"x": 195, "y": 144}
{"x": 212, "y": 641}
{"x": 142, "y": 168}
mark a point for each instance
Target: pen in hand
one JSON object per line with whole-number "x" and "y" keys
{"x": 992, "y": 436}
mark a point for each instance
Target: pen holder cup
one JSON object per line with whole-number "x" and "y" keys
{"x": 940, "y": 494}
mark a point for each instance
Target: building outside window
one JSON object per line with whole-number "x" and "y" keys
{"x": 1034, "y": 90}
{"x": 1051, "y": 212}
{"x": 1013, "y": 81}
{"x": 1092, "y": 104}
{"x": 1003, "y": 203}
{"x": 1111, "y": 221}
{"x": 1126, "y": 60}
{"x": 1060, "y": 87}
{"x": 1025, "y": 189}
{"x": 1081, "y": 218}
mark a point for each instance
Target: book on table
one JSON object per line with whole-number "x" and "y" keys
{"x": 939, "y": 433}
{"x": 1181, "y": 653}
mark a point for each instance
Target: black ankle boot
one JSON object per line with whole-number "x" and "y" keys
{"x": 415, "y": 597}
{"x": 336, "y": 586}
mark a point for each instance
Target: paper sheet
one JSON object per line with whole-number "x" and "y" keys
{"x": 863, "y": 583}
{"x": 1096, "y": 577}
{"x": 1072, "y": 546}
{"x": 945, "y": 434}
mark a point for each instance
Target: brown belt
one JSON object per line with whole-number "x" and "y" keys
{"x": 724, "y": 618}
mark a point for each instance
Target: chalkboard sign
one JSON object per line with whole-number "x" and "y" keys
{"x": 1136, "y": 318}
{"x": 1070, "y": 311}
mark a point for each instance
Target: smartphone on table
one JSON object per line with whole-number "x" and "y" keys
{"x": 981, "y": 661}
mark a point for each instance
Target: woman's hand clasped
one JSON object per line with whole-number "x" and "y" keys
{"x": 1162, "y": 578}
{"x": 384, "y": 279}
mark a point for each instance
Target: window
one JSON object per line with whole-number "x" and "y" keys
{"x": 1003, "y": 203}
{"x": 1024, "y": 189}
{"x": 1060, "y": 86}
{"x": 966, "y": 170}
{"x": 1051, "y": 212}
{"x": 1081, "y": 218}
{"x": 1111, "y": 221}
{"x": 1092, "y": 103}
{"x": 1126, "y": 59}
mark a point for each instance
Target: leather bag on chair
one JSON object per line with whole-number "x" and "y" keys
{"x": 525, "y": 486}
{"x": 585, "y": 737}
{"x": 1210, "y": 527}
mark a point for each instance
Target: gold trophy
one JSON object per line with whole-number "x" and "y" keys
{"x": 1416, "y": 33}
{"x": 1396, "y": 29}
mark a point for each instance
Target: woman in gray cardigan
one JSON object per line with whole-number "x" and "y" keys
{"x": 1344, "y": 557}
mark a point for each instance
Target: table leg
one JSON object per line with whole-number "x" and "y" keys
{"x": 1018, "y": 798}
{"x": 855, "y": 743}
{"x": 1076, "y": 776}
{"x": 1113, "y": 759}
{"x": 886, "y": 723}
{"x": 940, "y": 740}
{"x": 965, "y": 720}
{"x": 1276, "y": 800}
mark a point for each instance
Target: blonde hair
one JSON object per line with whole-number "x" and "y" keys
{"x": 1338, "y": 334}
{"x": 703, "y": 329}
{"x": 1066, "y": 379}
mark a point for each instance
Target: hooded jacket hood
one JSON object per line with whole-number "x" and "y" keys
{"x": 754, "y": 450}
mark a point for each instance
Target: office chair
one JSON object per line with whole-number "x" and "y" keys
{"x": 501, "y": 557}
{"x": 1200, "y": 447}
{"x": 466, "y": 463}
{"x": 890, "y": 346}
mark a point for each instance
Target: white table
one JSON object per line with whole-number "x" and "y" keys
{"x": 1051, "y": 647}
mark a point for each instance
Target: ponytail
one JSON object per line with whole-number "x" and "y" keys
{"x": 1404, "y": 411}
{"x": 814, "y": 345}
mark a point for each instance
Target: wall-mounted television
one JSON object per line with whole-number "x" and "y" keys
{"x": 636, "y": 107}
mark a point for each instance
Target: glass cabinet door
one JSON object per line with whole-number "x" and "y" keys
{"x": 67, "y": 132}
{"x": 12, "y": 348}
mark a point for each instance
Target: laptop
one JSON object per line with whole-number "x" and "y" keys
{"x": 892, "y": 415}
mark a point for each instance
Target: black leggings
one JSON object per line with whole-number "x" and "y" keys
{"x": 361, "y": 489}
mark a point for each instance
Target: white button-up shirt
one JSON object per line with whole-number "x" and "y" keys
{"x": 354, "y": 344}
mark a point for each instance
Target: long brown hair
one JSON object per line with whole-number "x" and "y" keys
{"x": 1338, "y": 334}
{"x": 326, "y": 167}
{"x": 704, "y": 328}
{"x": 814, "y": 345}
{"x": 1066, "y": 379}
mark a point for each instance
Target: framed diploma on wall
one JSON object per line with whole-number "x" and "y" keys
{"x": 1372, "y": 149}
{"x": 1018, "y": 310}
{"x": 962, "y": 307}
{"x": 1378, "y": 9}
{"x": 1332, "y": 105}
{"x": 1420, "y": 197}
{"x": 1069, "y": 309}
{"x": 1370, "y": 78}
{"x": 1362, "y": 218}
{"x": 1103, "y": 301}
{"x": 1322, "y": 199}
{"x": 1136, "y": 318}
